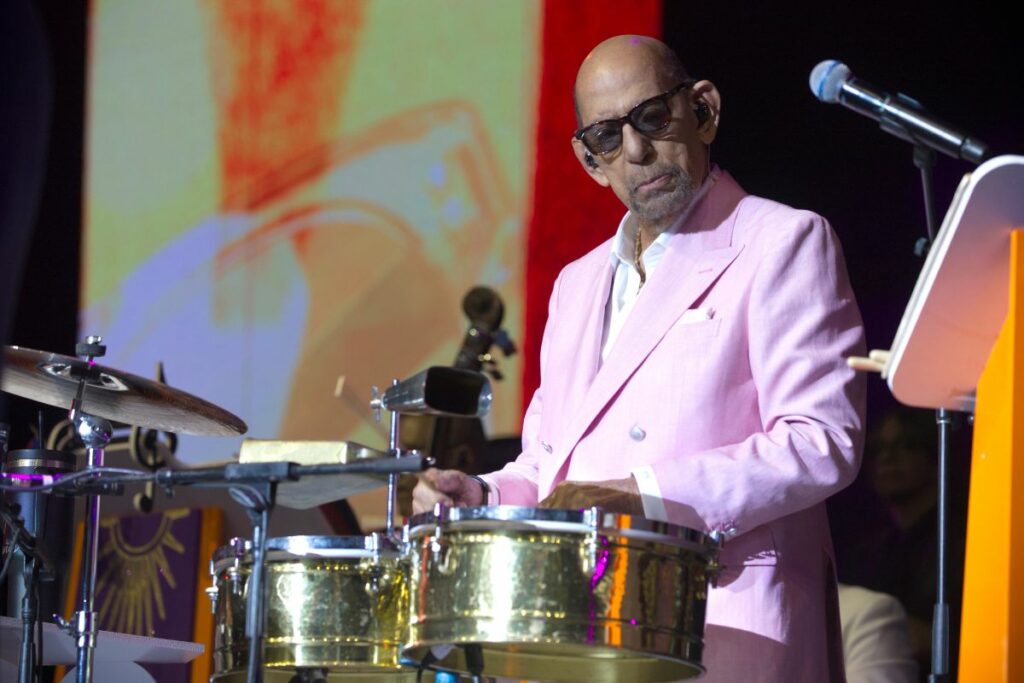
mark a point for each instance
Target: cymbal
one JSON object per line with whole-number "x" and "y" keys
{"x": 52, "y": 379}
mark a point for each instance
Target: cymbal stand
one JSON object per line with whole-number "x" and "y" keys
{"x": 95, "y": 433}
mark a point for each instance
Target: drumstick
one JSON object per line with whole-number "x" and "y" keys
{"x": 877, "y": 361}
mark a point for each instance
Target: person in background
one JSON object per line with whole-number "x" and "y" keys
{"x": 876, "y": 637}
{"x": 902, "y": 465}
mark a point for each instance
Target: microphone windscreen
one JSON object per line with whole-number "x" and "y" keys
{"x": 484, "y": 308}
{"x": 827, "y": 80}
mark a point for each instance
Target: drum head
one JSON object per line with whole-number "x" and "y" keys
{"x": 284, "y": 547}
{"x": 587, "y": 520}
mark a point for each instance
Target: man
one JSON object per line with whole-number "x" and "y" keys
{"x": 697, "y": 375}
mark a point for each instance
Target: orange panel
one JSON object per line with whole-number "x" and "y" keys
{"x": 992, "y": 633}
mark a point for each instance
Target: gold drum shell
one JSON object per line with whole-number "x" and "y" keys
{"x": 559, "y": 595}
{"x": 338, "y": 603}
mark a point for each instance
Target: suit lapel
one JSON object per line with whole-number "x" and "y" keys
{"x": 588, "y": 302}
{"x": 694, "y": 259}
{"x": 588, "y": 358}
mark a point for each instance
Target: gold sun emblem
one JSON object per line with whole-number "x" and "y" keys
{"x": 130, "y": 582}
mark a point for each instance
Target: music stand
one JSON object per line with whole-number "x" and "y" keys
{"x": 960, "y": 300}
{"x": 960, "y": 346}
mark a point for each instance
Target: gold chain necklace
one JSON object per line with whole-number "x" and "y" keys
{"x": 638, "y": 261}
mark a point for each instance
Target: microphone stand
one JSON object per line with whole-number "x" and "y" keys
{"x": 924, "y": 160}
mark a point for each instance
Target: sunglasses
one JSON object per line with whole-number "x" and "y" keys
{"x": 649, "y": 116}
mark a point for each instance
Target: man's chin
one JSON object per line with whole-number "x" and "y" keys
{"x": 660, "y": 208}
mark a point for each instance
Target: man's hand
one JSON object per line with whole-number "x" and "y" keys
{"x": 451, "y": 487}
{"x": 613, "y": 495}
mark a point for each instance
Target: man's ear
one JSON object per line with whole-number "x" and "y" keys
{"x": 593, "y": 167}
{"x": 705, "y": 92}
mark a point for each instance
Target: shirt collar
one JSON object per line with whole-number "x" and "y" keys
{"x": 624, "y": 242}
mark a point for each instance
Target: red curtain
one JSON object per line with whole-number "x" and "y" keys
{"x": 570, "y": 213}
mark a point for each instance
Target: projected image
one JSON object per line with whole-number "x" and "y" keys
{"x": 282, "y": 193}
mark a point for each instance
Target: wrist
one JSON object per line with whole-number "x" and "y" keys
{"x": 485, "y": 488}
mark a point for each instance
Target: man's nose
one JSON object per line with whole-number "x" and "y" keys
{"x": 635, "y": 146}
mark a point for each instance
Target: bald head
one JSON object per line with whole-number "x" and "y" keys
{"x": 653, "y": 149}
{"x": 621, "y": 56}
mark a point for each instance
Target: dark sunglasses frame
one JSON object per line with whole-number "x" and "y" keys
{"x": 581, "y": 133}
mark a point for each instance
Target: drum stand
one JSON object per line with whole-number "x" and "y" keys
{"x": 420, "y": 395}
{"x": 395, "y": 450}
{"x": 474, "y": 652}
{"x": 258, "y": 501}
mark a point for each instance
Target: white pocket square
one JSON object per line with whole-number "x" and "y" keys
{"x": 696, "y": 315}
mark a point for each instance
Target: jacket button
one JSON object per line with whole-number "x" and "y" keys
{"x": 637, "y": 433}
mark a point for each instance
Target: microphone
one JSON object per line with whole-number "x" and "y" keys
{"x": 485, "y": 311}
{"x": 831, "y": 81}
{"x": 484, "y": 308}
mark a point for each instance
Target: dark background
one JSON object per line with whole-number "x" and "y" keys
{"x": 779, "y": 141}
{"x": 47, "y": 306}
{"x": 45, "y": 309}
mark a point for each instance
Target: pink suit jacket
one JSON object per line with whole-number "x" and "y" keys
{"x": 744, "y": 408}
